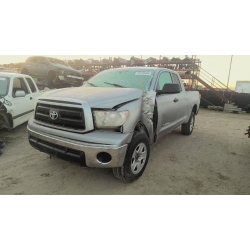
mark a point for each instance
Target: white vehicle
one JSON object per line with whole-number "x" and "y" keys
{"x": 242, "y": 87}
{"x": 18, "y": 93}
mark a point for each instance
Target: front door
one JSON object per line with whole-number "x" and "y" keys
{"x": 167, "y": 106}
{"x": 22, "y": 106}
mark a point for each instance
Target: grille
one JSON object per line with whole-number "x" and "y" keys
{"x": 69, "y": 118}
{"x": 64, "y": 153}
{"x": 72, "y": 73}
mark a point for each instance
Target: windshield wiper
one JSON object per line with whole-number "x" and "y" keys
{"x": 91, "y": 84}
{"x": 114, "y": 84}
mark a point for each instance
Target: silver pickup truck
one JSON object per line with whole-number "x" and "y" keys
{"x": 111, "y": 121}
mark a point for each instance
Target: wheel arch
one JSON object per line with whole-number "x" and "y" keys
{"x": 141, "y": 127}
{"x": 51, "y": 71}
{"x": 24, "y": 71}
{"x": 6, "y": 120}
{"x": 195, "y": 109}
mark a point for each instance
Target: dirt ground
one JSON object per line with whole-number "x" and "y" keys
{"x": 215, "y": 159}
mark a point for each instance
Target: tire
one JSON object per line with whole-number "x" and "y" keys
{"x": 24, "y": 71}
{"x": 51, "y": 78}
{"x": 136, "y": 159}
{"x": 2, "y": 143}
{"x": 187, "y": 129}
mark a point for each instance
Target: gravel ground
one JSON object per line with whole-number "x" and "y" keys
{"x": 213, "y": 160}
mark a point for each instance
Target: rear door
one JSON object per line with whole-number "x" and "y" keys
{"x": 167, "y": 106}
{"x": 182, "y": 101}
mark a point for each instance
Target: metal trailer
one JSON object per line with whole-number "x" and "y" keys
{"x": 242, "y": 87}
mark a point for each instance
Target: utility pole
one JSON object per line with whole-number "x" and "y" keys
{"x": 229, "y": 71}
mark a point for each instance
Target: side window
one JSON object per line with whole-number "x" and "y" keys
{"x": 176, "y": 79}
{"x": 19, "y": 84}
{"x": 31, "y": 84}
{"x": 164, "y": 78}
{"x": 33, "y": 59}
{"x": 41, "y": 60}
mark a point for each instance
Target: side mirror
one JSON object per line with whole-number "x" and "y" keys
{"x": 169, "y": 88}
{"x": 20, "y": 93}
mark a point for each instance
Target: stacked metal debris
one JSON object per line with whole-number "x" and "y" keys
{"x": 248, "y": 132}
{"x": 208, "y": 98}
{"x": 2, "y": 145}
{"x": 232, "y": 108}
{"x": 242, "y": 100}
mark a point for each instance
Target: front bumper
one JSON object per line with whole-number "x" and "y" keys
{"x": 70, "y": 79}
{"x": 76, "y": 151}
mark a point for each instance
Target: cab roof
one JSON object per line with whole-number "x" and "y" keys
{"x": 12, "y": 74}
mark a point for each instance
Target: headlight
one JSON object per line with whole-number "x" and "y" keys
{"x": 110, "y": 119}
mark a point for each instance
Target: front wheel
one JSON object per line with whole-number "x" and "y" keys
{"x": 187, "y": 128}
{"x": 136, "y": 159}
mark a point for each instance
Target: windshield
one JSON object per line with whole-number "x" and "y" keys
{"x": 123, "y": 78}
{"x": 4, "y": 84}
{"x": 57, "y": 61}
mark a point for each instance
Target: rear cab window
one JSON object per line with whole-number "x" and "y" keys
{"x": 176, "y": 80}
{"x": 31, "y": 84}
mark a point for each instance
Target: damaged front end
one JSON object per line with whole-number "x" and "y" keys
{"x": 69, "y": 78}
{"x": 148, "y": 116}
{"x": 5, "y": 121}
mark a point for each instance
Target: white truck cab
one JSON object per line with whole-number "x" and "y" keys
{"x": 18, "y": 93}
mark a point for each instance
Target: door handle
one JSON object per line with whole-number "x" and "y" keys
{"x": 176, "y": 100}
{"x": 31, "y": 98}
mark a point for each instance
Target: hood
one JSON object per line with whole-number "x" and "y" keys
{"x": 64, "y": 67}
{"x": 96, "y": 97}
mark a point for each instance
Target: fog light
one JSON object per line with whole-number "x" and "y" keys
{"x": 104, "y": 157}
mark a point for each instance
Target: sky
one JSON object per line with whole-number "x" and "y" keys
{"x": 216, "y": 65}
{"x": 133, "y": 29}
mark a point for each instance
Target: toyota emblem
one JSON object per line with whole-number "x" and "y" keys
{"x": 53, "y": 114}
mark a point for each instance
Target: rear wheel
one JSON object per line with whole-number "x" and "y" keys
{"x": 136, "y": 159}
{"x": 187, "y": 128}
{"x": 24, "y": 71}
{"x": 2, "y": 144}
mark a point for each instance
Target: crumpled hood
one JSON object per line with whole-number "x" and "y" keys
{"x": 95, "y": 96}
{"x": 68, "y": 68}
